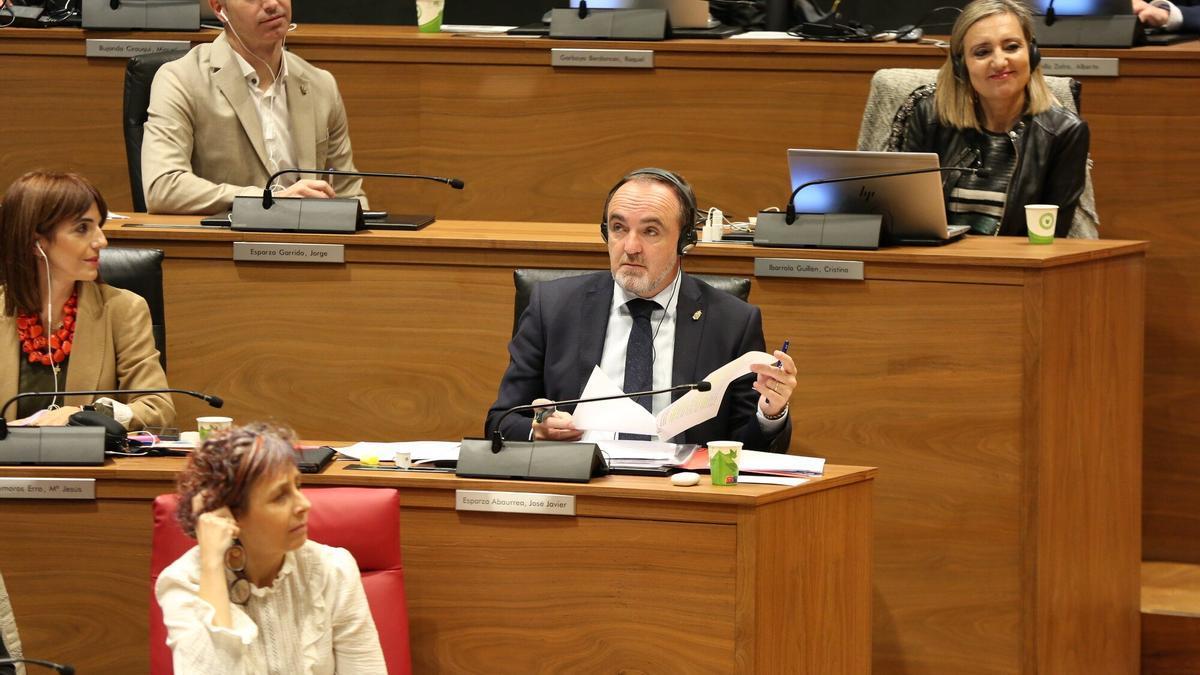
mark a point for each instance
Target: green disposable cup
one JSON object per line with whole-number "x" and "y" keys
{"x": 723, "y": 462}
{"x": 429, "y": 15}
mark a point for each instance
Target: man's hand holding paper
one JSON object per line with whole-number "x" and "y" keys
{"x": 694, "y": 407}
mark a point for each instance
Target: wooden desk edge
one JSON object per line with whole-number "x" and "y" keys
{"x": 1014, "y": 252}
{"x": 149, "y": 469}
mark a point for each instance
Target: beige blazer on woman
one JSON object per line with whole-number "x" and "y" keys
{"x": 113, "y": 349}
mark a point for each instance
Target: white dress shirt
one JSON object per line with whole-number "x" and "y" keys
{"x": 272, "y": 107}
{"x": 662, "y": 328}
{"x": 313, "y": 620}
{"x": 1175, "y": 17}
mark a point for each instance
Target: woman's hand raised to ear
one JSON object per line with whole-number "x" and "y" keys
{"x": 215, "y": 532}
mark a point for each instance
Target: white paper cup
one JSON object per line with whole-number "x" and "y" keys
{"x": 723, "y": 461}
{"x": 403, "y": 459}
{"x": 429, "y": 15}
{"x": 206, "y": 426}
{"x": 1040, "y": 220}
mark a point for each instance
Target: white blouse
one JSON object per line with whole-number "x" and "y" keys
{"x": 314, "y": 620}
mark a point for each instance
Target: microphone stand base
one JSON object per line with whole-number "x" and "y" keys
{"x": 819, "y": 230}
{"x": 524, "y": 460}
{"x": 53, "y": 446}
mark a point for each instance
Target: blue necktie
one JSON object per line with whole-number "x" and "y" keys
{"x": 639, "y": 356}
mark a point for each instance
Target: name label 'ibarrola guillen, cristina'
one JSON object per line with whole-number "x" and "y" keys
{"x": 514, "y": 502}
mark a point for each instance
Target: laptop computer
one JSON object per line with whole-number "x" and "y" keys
{"x": 913, "y": 208}
{"x": 689, "y": 18}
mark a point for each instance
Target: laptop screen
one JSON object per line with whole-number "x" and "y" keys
{"x": 1084, "y": 7}
{"x": 682, "y": 13}
{"x": 912, "y": 206}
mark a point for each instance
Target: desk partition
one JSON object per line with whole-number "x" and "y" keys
{"x": 643, "y": 577}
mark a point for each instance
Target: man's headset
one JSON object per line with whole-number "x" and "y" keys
{"x": 687, "y": 204}
{"x": 959, "y": 62}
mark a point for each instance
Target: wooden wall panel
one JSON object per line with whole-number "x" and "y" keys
{"x": 1087, "y": 422}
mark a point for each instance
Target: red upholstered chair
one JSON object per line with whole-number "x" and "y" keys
{"x": 364, "y": 521}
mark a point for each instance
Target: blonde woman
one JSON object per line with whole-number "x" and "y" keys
{"x": 992, "y": 109}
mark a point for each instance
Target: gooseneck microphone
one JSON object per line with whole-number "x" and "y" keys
{"x": 214, "y": 401}
{"x": 62, "y": 668}
{"x": 1051, "y": 17}
{"x": 268, "y": 200}
{"x": 791, "y": 205}
{"x": 498, "y": 437}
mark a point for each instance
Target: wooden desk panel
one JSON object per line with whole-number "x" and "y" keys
{"x": 930, "y": 368}
{"x": 627, "y": 584}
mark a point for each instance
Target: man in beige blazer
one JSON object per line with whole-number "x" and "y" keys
{"x": 228, "y": 114}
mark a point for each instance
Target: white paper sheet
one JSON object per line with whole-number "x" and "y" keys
{"x": 753, "y": 460}
{"x": 771, "y": 480}
{"x": 619, "y": 415}
{"x": 694, "y": 407}
{"x": 697, "y": 406}
{"x": 421, "y": 451}
{"x": 648, "y": 450}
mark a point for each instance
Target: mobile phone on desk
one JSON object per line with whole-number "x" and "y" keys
{"x": 375, "y": 215}
{"x": 216, "y": 220}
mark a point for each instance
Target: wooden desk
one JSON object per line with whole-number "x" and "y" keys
{"x": 996, "y": 384}
{"x": 540, "y": 143}
{"x": 645, "y": 578}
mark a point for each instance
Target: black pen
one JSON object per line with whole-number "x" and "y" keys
{"x": 784, "y": 348}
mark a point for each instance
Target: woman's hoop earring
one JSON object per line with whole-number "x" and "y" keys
{"x": 235, "y": 561}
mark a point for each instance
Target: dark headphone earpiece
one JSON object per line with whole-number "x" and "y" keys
{"x": 687, "y": 199}
{"x": 959, "y": 64}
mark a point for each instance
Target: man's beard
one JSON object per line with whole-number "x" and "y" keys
{"x": 641, "y": 285}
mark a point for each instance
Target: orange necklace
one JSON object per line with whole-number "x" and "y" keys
{"x": 34, "y": 340}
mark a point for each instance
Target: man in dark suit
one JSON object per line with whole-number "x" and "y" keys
{"x": 1177, "y": 16}
{"x": 607, "y": 319}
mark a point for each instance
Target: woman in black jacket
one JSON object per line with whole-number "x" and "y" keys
{"x": 992, "y": 109}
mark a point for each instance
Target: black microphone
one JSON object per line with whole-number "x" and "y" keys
{"x": 1051, "y": 17}
{"x": 62, "y": 668}
{"x": 498, "y": 438}
{"x": 791, "y": 205}
{"x": 268, "y": 200}
{"x": 214, "y": 401}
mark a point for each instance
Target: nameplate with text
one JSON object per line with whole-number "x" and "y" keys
{"x": 1083, "y": 67}
{"x": 808, "y": 269}
{"x": 47, "y": 488}
{"x": 127, "y": 49}
{"x": 514, "y": 502}
{"x": 602, "y": 58}
{"x": 256, "y": 251}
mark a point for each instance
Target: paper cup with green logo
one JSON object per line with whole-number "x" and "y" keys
{"x": 208, "y": 426}
{"x": 723, "y": 461}
{"x": 429, "y": 15}
{"x": 1040, "y": 220}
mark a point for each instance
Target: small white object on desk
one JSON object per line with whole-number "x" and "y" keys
{"x": 685, "y": 479}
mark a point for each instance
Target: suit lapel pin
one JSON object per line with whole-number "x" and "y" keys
{"x": 697, "y": 315}
{"x": 304, "y": 88}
